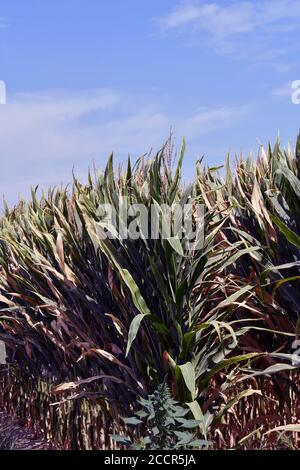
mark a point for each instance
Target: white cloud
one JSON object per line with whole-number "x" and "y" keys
{"x": 182, "y": 15}
{"x": 228, "y": 26}
{"x": 63, "y": 125}
{"x": 44, "y": 134}
{"x": 208, "y": 120}
{"x": 214, "y": 18}
{"x": 233, "y": 18}
{"x": 50, "y": 109}
{"x": 69, "y": 126}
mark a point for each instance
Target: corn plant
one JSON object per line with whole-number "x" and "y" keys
{"x": 106, "y": 319}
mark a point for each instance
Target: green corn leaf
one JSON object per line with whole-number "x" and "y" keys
{"x": 133, "y": 330}
{"x": 188, "y": 373}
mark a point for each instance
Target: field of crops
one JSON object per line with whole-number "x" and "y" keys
{"x": 91, "y": 324}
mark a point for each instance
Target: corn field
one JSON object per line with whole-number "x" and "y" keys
{"x": 91, "y": 323}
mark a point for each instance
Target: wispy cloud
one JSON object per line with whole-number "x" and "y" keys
{"x": 43, "y": 134}
{"x": 214, "y": 18}
{"x": 208, "y": 120}
{"x": 235, "y": 17}
{"x": 228, "y": 25}
{"x": 54, "y": 126}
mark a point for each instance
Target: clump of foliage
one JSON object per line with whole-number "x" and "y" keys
{"x": 165, "y": 422}
{"x": 7, "y": 438}
{"x": 6, "y": 442}
{"x": 91, "y": 324}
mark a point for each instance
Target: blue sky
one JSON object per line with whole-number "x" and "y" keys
{"x": 87, "y": 77}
